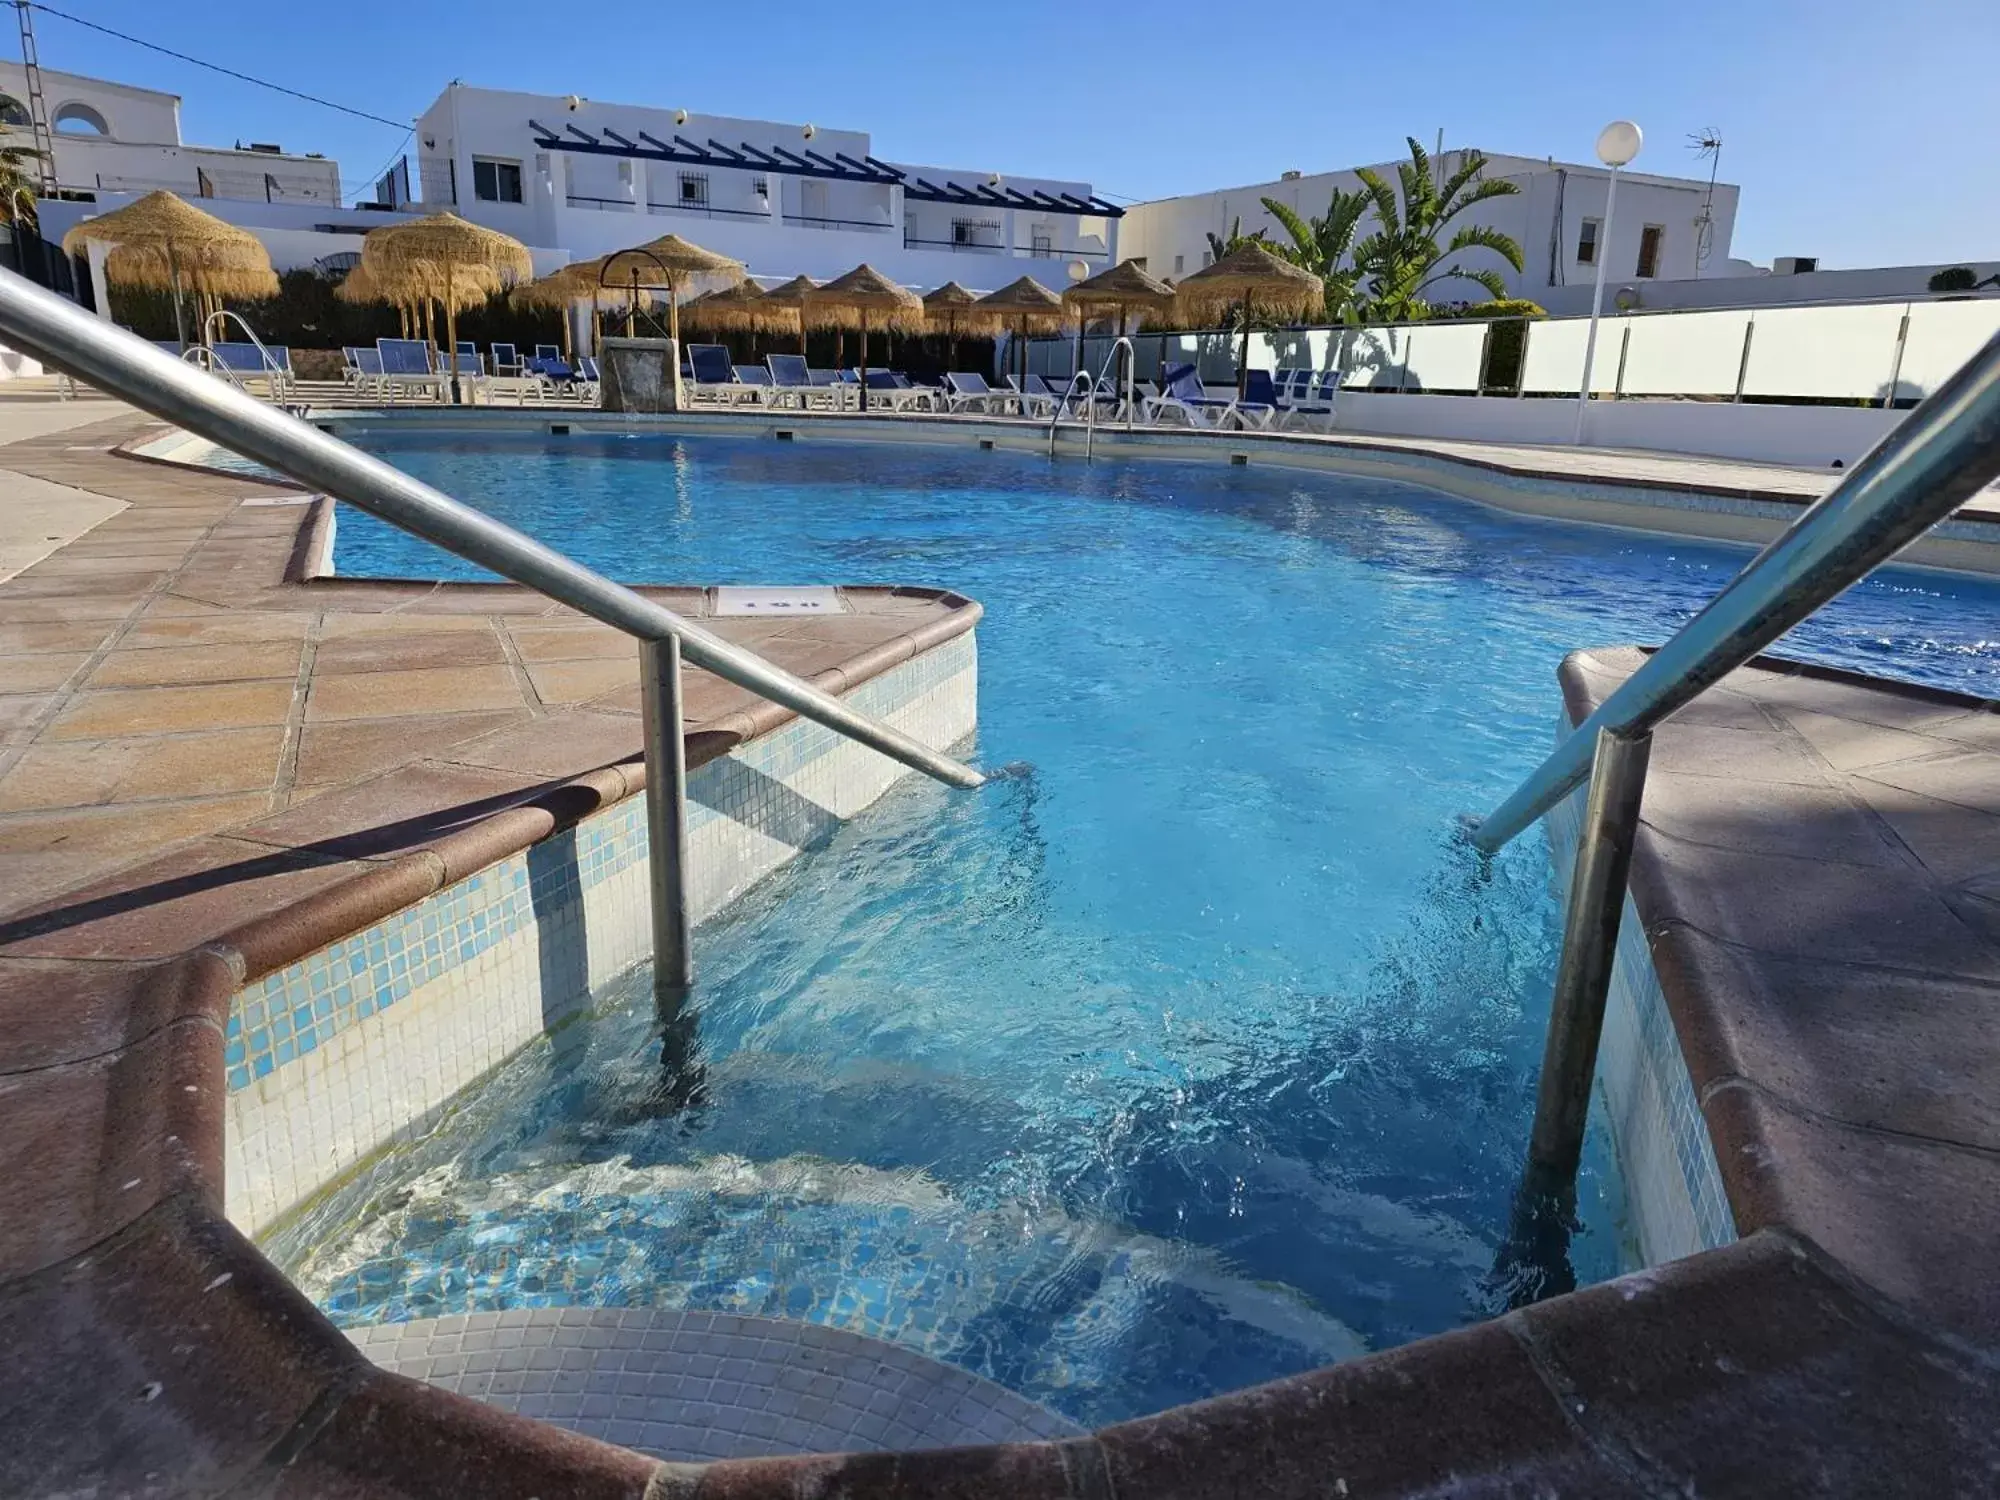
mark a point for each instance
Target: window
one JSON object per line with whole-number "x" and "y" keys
{"x": 975, "y": 232}
{"x": 1180, "y": 262}
{"x": 1586, "y": 242}
{"x": 1649, "y": 249}
{"x": 496, "y": 181}
{"x": 79, "y": 119}
{"x": 761, "y": 188}
{"x": 694, "y": 189}
{"x": 1041, "y": 245}
{"x": 13, "y": 111}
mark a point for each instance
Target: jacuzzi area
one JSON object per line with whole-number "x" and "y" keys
{"x": 1195, "y": 1052}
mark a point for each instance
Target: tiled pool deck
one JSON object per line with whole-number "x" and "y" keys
{"x": 209, "y": 767}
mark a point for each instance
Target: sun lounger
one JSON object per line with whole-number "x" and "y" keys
{"x": 968, "y": 391}
{"x": 894, "y": 390}
{"x": 1034, "y": 397}
{"x": 249, "y": 362}
{"x": 792, "y": 383}
{"x": 361, "y": 370}
{"x": 1184, "y": 398}
{"x": 1313, "y": 399}
{"x": 713, "y": 376}
{"x": 406, "y": 366}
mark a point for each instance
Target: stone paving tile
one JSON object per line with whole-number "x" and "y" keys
{"x": 39, "y": 673}
{"x": 80, "y": 773}
{"x": 580, "y": 681}
{"x": 429, "y": 690}
{"x": 348, "y": 750}
{"x": 381, "y": 651}
{"x": 155, "y": 628}
{"x": 105, "y": 712}
{"x": 234, "y": 661}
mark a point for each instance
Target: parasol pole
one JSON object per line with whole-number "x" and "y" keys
{"x": 451, "y": 328}
{"x": 864, "y": 359}
{"x": 1243, "y": 358}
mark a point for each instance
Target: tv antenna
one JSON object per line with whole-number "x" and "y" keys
{"x": 1707, "y": 145}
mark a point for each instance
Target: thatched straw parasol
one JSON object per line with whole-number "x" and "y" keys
{"x": 174, "y": 245}
{"x": 1020, "y": 307}
{"x": 359, "y": 288}
{"x": 742, "y": 308}
{"x": 1253, "y": 278}
{"x": 948, "y": 310}
{"x": 1119, "y": 292}
{"x": 669, "y": 262}
{"x": 864, "y": 299}
{"x": 444, "y": 253}
{"x": 792, "y": 294}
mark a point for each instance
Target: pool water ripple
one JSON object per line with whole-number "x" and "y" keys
{"x": 1199, "y": 1052}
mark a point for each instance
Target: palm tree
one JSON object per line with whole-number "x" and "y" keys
{"x": 20, "y": 180}
{"x": 1319, "y": 245}
{"x": 1403, "y": 259}
{"x": 1218, "y": 246}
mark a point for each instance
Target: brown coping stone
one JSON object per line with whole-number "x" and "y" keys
{"x": 171, "y": 1360}
{"x": 1829, "y": 959}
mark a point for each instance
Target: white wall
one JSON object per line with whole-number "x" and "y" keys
{"x": 1760, "y": 288}
{"x": 1177, "y": 228}
{"x": 586, "y": 203}
{"x": 140, "y": 148}
{"x": 1810, "y": 436}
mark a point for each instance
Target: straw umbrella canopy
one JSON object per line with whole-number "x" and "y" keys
{"x": 1250, "y": 277}
{"x": 1119, "y": 292}
{"x": 864, "y": 299}
{"x": 444, "y": 251}
{"x": 360, "y": 288}
{"x": 173, "y": 244}
{"x": 669, "y": 262}
{"x": 1021, "y": 307}
{"x": 742, "y": 308}
{"x": 792, "y": 295}
{"x": 948, "y": 310}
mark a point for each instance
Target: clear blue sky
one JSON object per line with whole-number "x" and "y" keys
{"x": 1864, "y": 132}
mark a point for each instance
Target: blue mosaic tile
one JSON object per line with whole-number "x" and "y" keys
{"x": 298, "y": 1009}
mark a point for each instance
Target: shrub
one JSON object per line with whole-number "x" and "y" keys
{"x": 1954, "y": 279}
{"x": 1508, "y": 343}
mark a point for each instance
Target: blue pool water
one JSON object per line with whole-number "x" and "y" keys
{"x": 1198, "y": 1053}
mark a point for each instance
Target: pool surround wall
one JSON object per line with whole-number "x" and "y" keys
{"x": 1848, "y": 1343}
{"x": 341, "y": 1052}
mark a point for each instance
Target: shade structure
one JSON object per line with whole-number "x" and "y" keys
{"x": 669, "y": 262}
{"x": 792, "y": 294}
{"x": 1123, "y": 290}
{"x": 742, "y": 308}
{"x": 170, "y": 243}
{"x": 1253, "y": 278}
{"x": 864, "y": 299}
{"x": 1021, "y": 307}
{"x": 461, "y": 263}
{"x": 360, "y": 288}
{"x": 948, "y": 310}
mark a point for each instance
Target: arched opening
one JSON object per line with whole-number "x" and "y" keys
{"x": 13, "y": 112}
{"x": 79, "y": 119}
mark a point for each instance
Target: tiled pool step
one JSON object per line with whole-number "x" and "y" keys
{"x": 698, "y": 1386}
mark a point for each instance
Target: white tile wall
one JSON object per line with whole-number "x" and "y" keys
{"x": 334, "y": 1057}
{"x": 1673, "y": 1187}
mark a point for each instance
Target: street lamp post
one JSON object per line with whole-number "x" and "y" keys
{"x": 1617, "y": 144}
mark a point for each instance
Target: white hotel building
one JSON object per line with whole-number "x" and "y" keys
{"x": 586, "y": 178}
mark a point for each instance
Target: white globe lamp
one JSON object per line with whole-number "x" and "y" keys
{"x": 1617, "y": 144}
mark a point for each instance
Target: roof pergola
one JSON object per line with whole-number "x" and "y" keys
{"x": 839, "y": 167}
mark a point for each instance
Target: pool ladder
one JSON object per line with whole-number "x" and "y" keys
{"x": 95, "y": 350}
{"x": 1946, "y": 450}
{"x": 1090, "y": 392}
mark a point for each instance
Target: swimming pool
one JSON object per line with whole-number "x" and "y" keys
{"x": 1195, "y": 1053}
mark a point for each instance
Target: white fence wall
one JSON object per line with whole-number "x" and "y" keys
{"x": 1894, "y": 352}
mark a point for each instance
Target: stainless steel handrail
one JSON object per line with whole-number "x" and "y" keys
{"x": 1942, "y": 454}
{"x": 1092, "y": 389}
{"x": 92, "y": 349}
{"x": 221, "y": 318}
